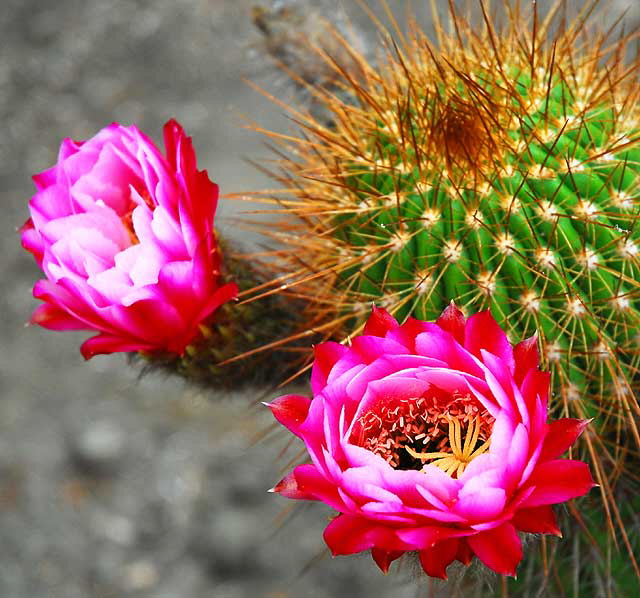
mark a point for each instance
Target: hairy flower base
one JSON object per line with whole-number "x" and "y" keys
{"x": 432, "y": 437}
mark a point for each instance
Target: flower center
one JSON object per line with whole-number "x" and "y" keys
{"x": 412, "y": 433}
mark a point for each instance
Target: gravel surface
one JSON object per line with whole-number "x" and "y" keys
{"x": 113, "y": 485}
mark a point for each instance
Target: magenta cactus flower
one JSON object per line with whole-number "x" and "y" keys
{"x": 125, "y": 238}
{"x": 432, "y": 437}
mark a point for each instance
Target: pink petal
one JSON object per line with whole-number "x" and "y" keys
{"x": 437, "y": 558}
{"x": 290, "y": 411}
{"x": 481, "y": 506}
{"x": 438, "y": 344}
{"x": 501, "y": 437}
{"x": 499, "y": 549}
{"x": 561, "y": 434}
{"x": 557, "y": 481}
{"x": 167, "y": 233}
{"x": 517, "y": 457}
{"x": 382, "y": 367}
{"x": 365, "y": 484}
{"x": 370, "y": 348}
{"x": 452, "y": 321}
{"x": 429, "y": 488}
{"x": 537, "y": 520}
{"x": 45, "y": 178}
{"x": 391, "y": 389}
{"x": 380, "y": 322}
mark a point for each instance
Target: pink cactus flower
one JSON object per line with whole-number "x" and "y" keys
{"x": 432, "y": 437}
{"x": 125, "y": 238}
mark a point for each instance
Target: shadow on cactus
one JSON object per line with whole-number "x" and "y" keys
{"x": 499, "y": 167}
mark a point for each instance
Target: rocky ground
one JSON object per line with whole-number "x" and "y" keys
{"x": 113, "y": 485}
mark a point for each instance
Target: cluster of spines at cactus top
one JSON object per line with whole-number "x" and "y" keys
{"x": 499, "y": 168}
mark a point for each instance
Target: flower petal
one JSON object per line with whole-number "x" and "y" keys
{"x": 526, "y": 358}
{"x": 326, "y": 355}
{"x": 557, "y": 481}
{"x": 536, "y": 520}
{"x": 380, "y": 322}
{"x": 499, "y": 548}
{"x": 452, "y": 321}
{"x": 384, "y": 558}
{"x": 561, "y": 434}
{"x": 482, "y": 332}
{"x": 437, "y": 558}
{"x": 347, "y": 534}
{"x": 290, "y": 411}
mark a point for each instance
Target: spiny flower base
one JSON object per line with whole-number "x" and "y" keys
{"x": 230, "y": 352}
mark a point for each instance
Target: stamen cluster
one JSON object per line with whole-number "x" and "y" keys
{"x": 409, "y": 432}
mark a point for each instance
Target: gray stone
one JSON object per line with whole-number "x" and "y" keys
{"x": 99, "y": 447}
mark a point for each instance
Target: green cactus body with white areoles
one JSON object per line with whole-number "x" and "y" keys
{"x": 498, "y": 169}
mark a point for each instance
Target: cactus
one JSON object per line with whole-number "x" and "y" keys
{"x": 499, "y": 167}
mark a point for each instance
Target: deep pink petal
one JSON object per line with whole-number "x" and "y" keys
{"x": 221, "y": 295}
{"x": 290, "y": 410}
{"x": 526, "y": 358}
{"x": 347, "y": 534}
{"x": 52, "y": 317}
{"x": 105, "y": 343}
{"x": 499, "y": 549}
{"x": 288, "y": 486}
{"x": 305, "y": 482}
{"x": 465, "y": 554}
{"x": 536, "y": 520}
{"x": 561, "y": 434}
{"x": 380, "y": 322}
{"x": 437, "y": 558}
{"x": 326, "y": 355}
{"x": 452, "y": 321}
{"x": 483, "y": 332}
{"x": 407, "y": 333}
{"x": 557, "y": 481}
{"x": 384, "y": 558}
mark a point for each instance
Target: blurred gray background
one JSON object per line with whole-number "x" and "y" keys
{"x": 113, "y": 485}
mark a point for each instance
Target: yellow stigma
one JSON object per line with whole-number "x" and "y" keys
{"x": 455, "y": 462}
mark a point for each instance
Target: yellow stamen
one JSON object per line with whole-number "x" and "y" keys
{"x": 460, "y": 456}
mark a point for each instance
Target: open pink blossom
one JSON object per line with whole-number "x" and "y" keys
{"x": 125, "y": 238}
{"x": 432, "y": 437}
